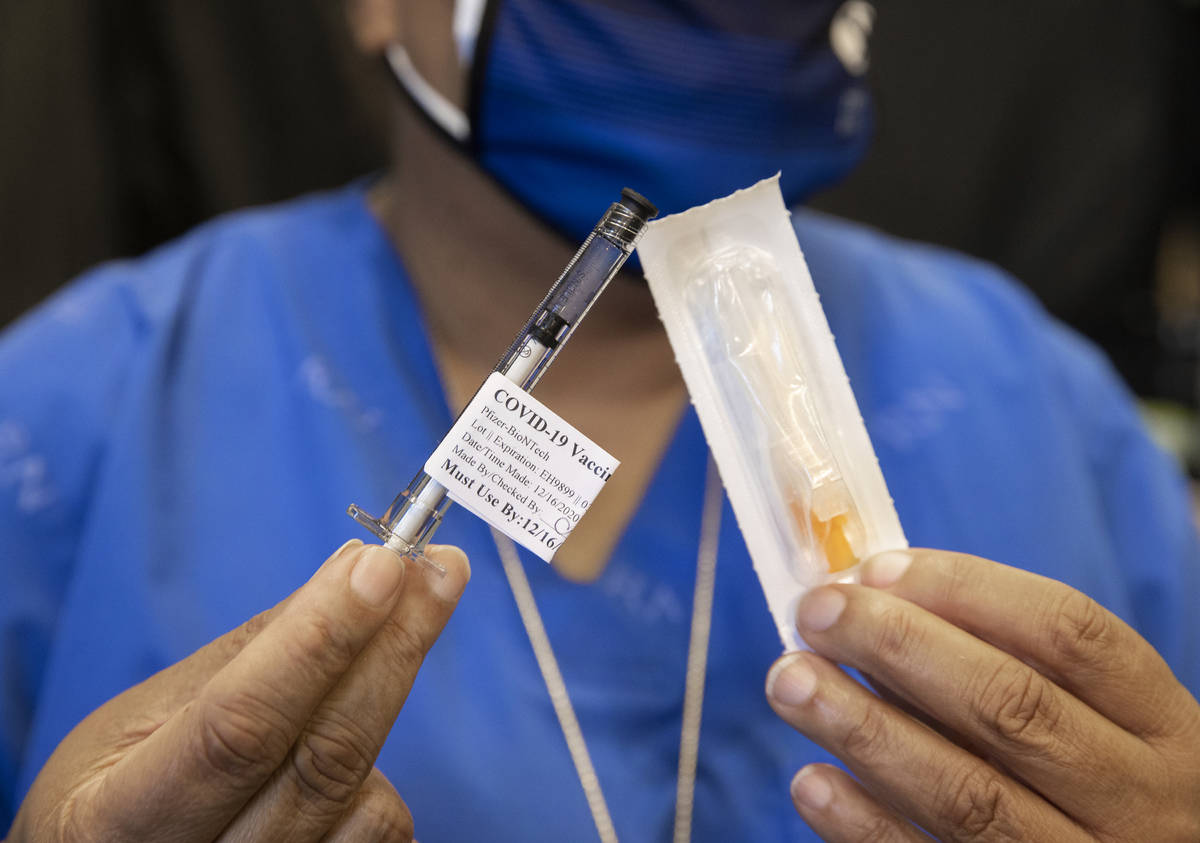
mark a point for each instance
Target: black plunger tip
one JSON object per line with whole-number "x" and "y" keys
{"x": 638, "y": 204}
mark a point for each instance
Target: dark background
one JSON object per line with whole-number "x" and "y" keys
{"x": 1058, "y": 139}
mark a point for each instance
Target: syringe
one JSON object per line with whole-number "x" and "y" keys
{"x": 410, "y": 522}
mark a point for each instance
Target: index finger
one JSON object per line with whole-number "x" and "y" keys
{"x": 1067, "y": 636}
{"x": 197, "y": 770}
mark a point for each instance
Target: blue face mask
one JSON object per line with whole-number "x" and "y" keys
{"x": 683, "y": 100}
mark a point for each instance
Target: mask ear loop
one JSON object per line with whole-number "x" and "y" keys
{"x": 445, "y": 115}
{"x": 472, "y": 25}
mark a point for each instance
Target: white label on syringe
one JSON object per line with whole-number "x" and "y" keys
{"x": 513, "y": 462}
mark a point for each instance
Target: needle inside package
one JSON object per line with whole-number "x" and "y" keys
{"x": 772, "y": 395}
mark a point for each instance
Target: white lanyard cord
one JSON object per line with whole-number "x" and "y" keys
{"x": 697, "y": 665}
{"x": 548, "y": 665}
{"x": 697, "y": 657}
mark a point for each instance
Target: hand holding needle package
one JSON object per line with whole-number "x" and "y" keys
{"x": 760, "y": 363}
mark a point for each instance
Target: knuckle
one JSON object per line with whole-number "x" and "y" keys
{"x": 241, "y": 736}
{"x": 389, "y": 818}
{"x": 897, "y": 636}
{"x": 868, "y": 738}
{"x": 322, "y": 640}
{"x": 1019, "y": 705}
{"x": 406, "y": 647}
{"x": 974, "y": 806}
{"x": 1080, "y": 630}
{"x": 330, "y": 762}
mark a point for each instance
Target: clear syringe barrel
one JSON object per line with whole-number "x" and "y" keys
{"x": 581, "y": 283}
{"x": 410, "y": 522}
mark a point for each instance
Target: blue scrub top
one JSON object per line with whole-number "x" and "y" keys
{"x": 180, "y": 436}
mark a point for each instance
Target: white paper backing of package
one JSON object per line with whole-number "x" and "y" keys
{"x": 760, "y": 362}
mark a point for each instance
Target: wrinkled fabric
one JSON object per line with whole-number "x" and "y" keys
{"x": 180, "y": 436}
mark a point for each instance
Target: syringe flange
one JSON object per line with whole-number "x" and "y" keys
{"x": 414, "y": 550}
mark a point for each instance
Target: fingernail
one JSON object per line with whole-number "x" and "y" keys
{"x": 886, "y": 568}
{"x": 820, "y": 609}
{"x": 792, "y": 682}
{"x": 811, "y": 789}
{"x": 458, "y": 571}
{"x": 377, "y": 576}
{"x": 351, "y": 543}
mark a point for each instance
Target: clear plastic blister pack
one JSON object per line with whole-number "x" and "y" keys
{"x": 768, "y": 384}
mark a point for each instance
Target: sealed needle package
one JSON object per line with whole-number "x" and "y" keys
{"x": 759, "y": 360}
